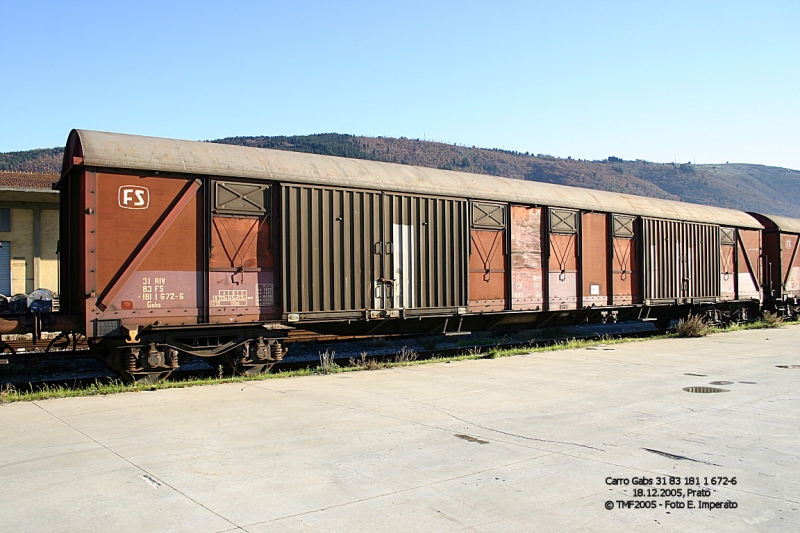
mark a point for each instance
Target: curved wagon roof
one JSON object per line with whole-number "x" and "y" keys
{"x": 114, "y": 150}
{"x": 782, "y": 224}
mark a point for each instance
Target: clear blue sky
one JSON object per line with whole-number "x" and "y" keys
{"x": 663, "y": 81}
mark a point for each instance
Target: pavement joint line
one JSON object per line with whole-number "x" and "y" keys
{"x": 709, "y": 411}
{"x": 784, "y": 453}
{"x": 431, "y": 426}
{"x": 550, "y": 452}
{"x": 153, "y": 476}
{"x": 512, "y": 434}
{"x": 399, "y": 491}
{"x": 447, "y": 516}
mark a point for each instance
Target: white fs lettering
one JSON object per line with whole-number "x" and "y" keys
{"x": 134, "y": 197}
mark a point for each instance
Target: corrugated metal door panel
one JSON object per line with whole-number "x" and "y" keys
{"x": 5, "y": 268}
{"x": 350, "y": 250}
{"x": 681, "y": 260}
{"x": 428, "y": 258}
{"x": 439, "y": 255}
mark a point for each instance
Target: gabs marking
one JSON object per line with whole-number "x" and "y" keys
{"x": 134, "y": 197}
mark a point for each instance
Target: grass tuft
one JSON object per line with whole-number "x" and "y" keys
{"x": 693, "y": 326}
{"x": 771, "y": 320}
{"x": 405, "y": 356}
{"x": 326, "y": 362}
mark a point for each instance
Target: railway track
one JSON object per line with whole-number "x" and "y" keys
{"x": 25, "y": 346}
{"x": 198, "y": 369}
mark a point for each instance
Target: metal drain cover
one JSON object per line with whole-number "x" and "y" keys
{"x": 787, "y": 366}
{"x": 721, "y": 383}
{"x": 704, "y": 390}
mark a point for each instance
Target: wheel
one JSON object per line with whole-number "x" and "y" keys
{"x": 232, "y": 364}
{"x": 115, "y": 361}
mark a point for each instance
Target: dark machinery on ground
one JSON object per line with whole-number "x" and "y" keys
{"x": 176, "y": 247}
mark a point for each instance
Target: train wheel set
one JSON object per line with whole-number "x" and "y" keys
{"x": 171, "y": 247}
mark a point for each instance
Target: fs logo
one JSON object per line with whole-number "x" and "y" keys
{"x": 134, "y": 197}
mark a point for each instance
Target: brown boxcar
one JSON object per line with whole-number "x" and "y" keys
{"x": 781, "y": 238}
{"x": 171, "y": 247}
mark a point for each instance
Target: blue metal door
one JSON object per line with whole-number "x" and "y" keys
{"x": 5, "y": 268}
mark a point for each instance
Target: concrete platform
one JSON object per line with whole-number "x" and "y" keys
{"x": 519, "y": 444}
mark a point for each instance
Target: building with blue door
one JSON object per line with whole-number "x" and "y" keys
{"x": 28, "y": 232}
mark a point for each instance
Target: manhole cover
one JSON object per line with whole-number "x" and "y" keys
{"x": 788, "y": 366}
{"x": 721, "y": 383}
{"x": 704, "y": 390}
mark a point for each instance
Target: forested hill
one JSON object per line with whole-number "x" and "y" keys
{"x": 740, "y": 186}
{"x": 43, "y": 160}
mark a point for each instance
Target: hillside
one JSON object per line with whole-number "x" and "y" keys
{"x": 42, "y": 160}
{"x": 739, "y": 186}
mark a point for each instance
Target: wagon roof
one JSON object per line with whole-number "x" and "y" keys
{"x": 783, "y": 224}
{"x": 114, "y": 150}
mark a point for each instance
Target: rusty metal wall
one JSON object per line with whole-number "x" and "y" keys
{"x": 562, "y": 281}
{"x": 681, "y": 260}
{"x": 727, "y": 272}
{"x": 748, "y": 264}
{"x": 350, "y": 250}
{"x": 527, "y": 283}
{"x": 594, "y": 259}
{"x": 487, "y": 271}
{"x": 790, "y": 264}
{"x": 146, "y": 251}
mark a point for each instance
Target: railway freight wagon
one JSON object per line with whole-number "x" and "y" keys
{"x": 781, "y": 263}
{"x": 175, "y": 247}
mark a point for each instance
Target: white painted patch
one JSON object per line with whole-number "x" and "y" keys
{"x": 726, "y": 284}
{"x": 403, "y": 252}
{"x": 793, "y": 283}
{"x": 747, "y": 288}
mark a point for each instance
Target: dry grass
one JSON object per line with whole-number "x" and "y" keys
{"x": 365, "y": 363}
{"x": 693, "y": 326}
{"x": 326, "y": 363}
{"x": 771, "y": 320}
{"x": 405, "y": 356}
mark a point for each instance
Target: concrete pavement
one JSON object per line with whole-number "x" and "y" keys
{"x": 524, "y": 443}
